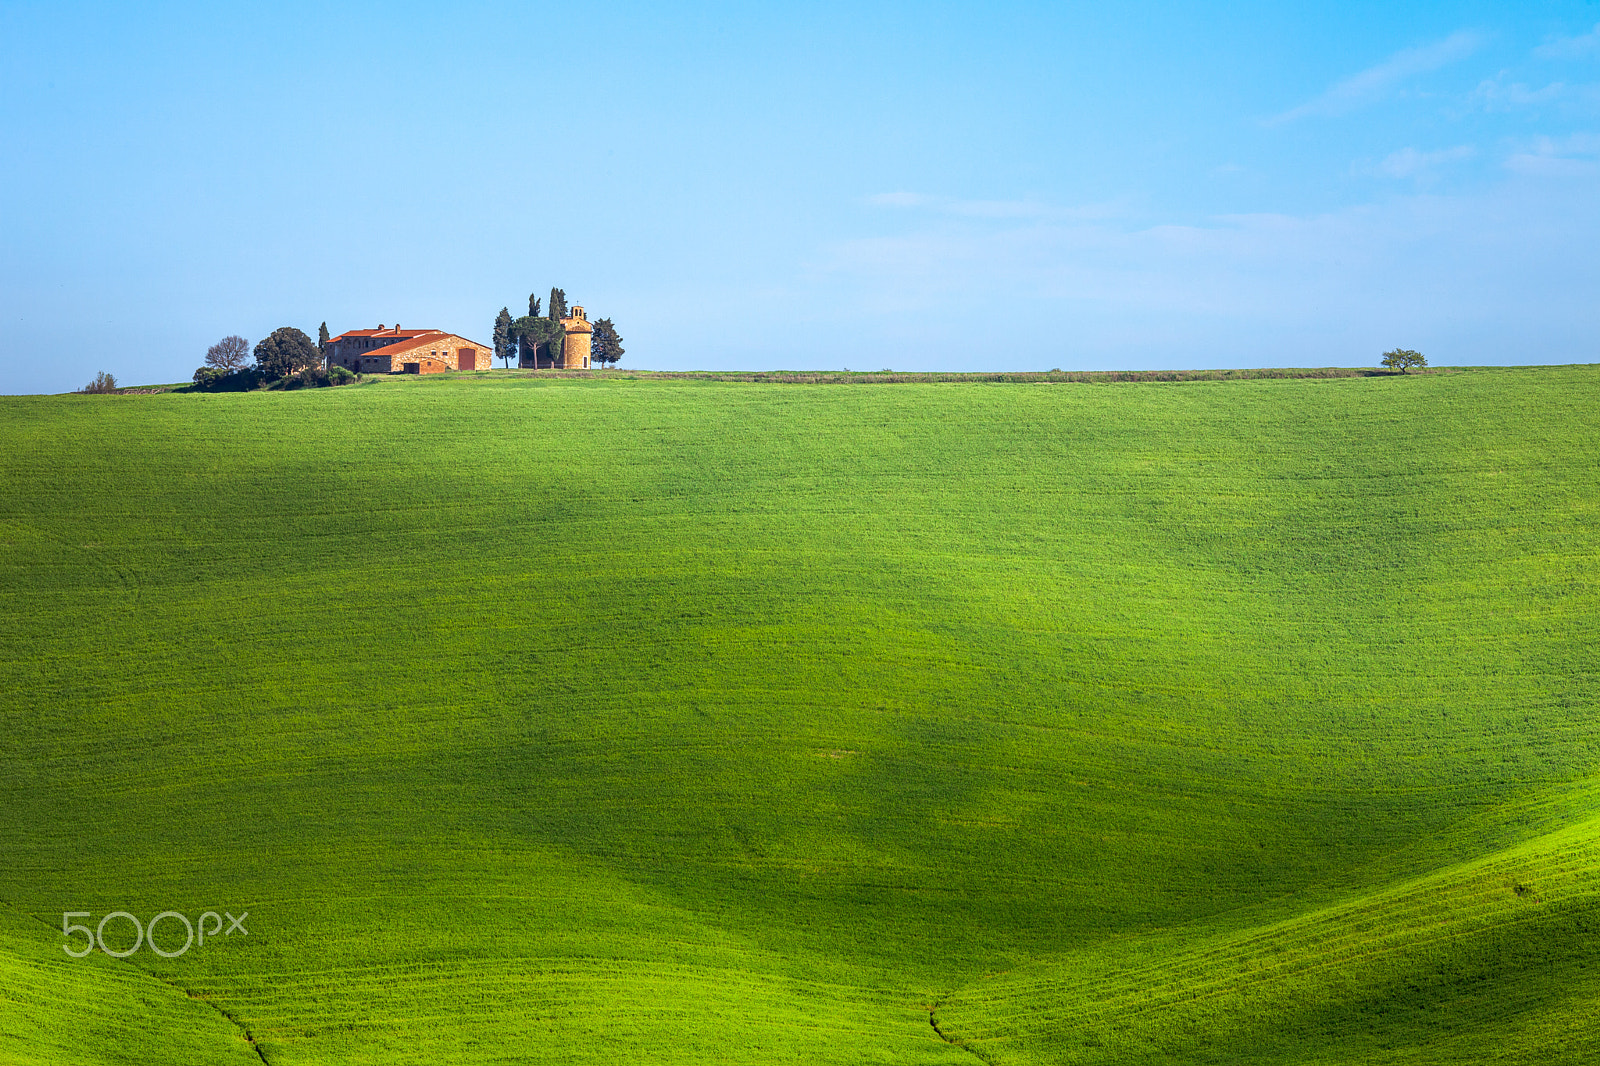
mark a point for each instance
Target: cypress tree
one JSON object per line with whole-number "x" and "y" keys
{"x": 558, "y": 335}
{"x": 607, "y": 344}
{"x": 504, "y": 346}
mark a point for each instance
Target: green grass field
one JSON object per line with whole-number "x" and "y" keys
{"x": 655, "y": 721}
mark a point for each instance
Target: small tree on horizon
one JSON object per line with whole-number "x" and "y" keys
{"x": 529, "y": 334}
{"x": 230, "y": 354}
{"x": 519, "y": 343}
{"x": 606, "y": 347}
{"x": 535, "y": 334}
{"x": 504, "y": 346}
{"x": 1403, "y": 359}
{"x": 322, "y": 340}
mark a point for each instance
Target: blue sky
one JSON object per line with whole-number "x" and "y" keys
{"x": 933, "y": 186}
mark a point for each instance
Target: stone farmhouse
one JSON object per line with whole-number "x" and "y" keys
{"x": 407, "y": 351}
{"x": 576, "y": 350}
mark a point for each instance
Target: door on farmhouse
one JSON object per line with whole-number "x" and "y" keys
{"x": 466, "y": 359}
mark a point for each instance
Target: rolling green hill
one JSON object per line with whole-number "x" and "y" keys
{"x": 655, "y": 721}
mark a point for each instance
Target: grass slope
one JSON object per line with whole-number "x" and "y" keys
{"x": 653, "y": 721}
{"x": 56, "y": 1009}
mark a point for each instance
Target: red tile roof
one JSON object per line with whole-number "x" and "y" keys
{"x": 383, "y": 334}
{"x": 433, "y": 337}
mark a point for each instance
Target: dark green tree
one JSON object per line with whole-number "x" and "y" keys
{"x": 322, "y": 340}
{"x": 535, "y": 337}
{"x": 606, "y": 345}
{"x": 285, "y": 351}
{"x": 531, "y": 337}
{"x": 522, "y": 343}
{"x": 505, "y": 346}
{"x": 557, "y": 342}
{"x": 1403, "y": 359}
{"x": 558, "y": 334}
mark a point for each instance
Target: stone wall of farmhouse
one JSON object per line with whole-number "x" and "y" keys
{"x": 437, "y": 355}
{"x": 367, "y": 362}
{"x": 357, "y": 356}
{"x": 450, "y": 349}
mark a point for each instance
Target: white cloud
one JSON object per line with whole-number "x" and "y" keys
{"x": 1571, "y": 47}
{"x": 1410, "y": 163}
{"x": 1494, "y": 94}
{"x": 1378, "y": 82}
{"x": 1574, "y": 156}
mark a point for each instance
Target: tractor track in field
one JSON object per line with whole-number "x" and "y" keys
{"x": 952, "y": 1041}
{"x": 188, "y": 994}
{"x": 244, "y": 1031}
